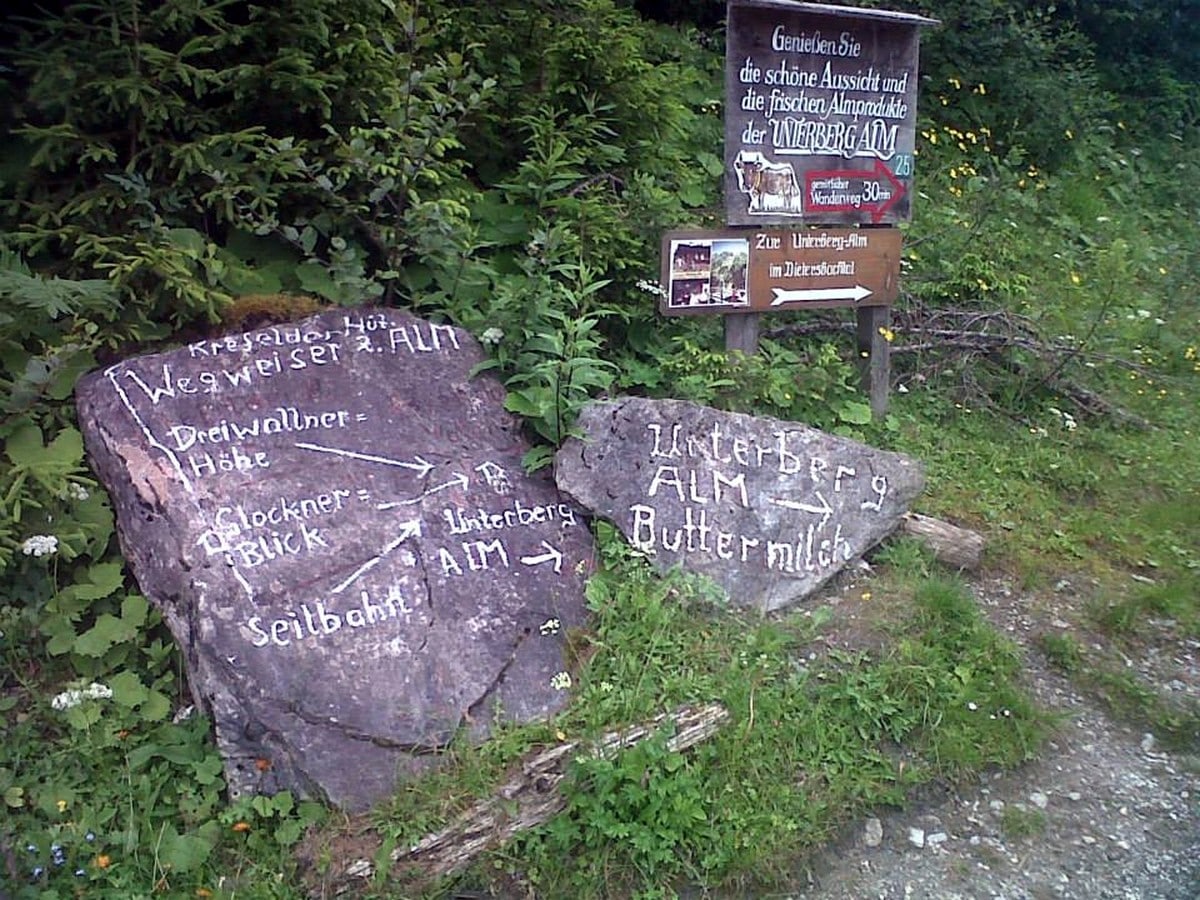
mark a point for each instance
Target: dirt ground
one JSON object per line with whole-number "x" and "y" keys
{"x": 1103, "y": 813}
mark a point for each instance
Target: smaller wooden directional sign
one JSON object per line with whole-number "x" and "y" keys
{"x": 745, "y": 270}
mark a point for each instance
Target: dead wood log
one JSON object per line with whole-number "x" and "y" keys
{"x": 959, "y": 548}
{"x": 527, "y": 799}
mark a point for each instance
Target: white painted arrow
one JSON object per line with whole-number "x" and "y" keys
{"x": 824, "y": 510}
{"x": 858, "y": 293}
{"x": 409, "y": 529}
{"x": 459, "y": 480}
{"x": 420, "y": 465}
{"x": 550, "y": 554}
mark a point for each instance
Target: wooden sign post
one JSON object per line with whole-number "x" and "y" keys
{"x": 820, "y": 130}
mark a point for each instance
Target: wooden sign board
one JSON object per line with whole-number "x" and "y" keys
{"x": 820, "y": 114}
{"x": 747, "y": 270}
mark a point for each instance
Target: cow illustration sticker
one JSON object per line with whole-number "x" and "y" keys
{"x": 771, "y": 188}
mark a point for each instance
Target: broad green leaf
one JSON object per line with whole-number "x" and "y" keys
{"x": 316, "y": 279}
{"x": 854, "y": 413}
{"x": 692, "y": 195}
{"x": 65, "y": 452}
{"x": 284, "y": 802}
{"x": 24, "y": 446}
{"x": 523, "y": 404}
{"x": 83, "y": 716}
{"x": 134, "y": 609}
{"x": 102, "y": 580}
{"x": 183, "y": 852}
{"x": 61, "y": 634}
{"x": 70, "y": 369}
{"x": 157, "y": 706}
{"x": 188, "y": 239}
{"x": 240, "y": 279}
{"x": 208, "y": 770}
{"x": 95, "y": 519}
{"x": 127, "y": 689}
{"x": 289, "y": 832}
{"x": 711, "y": 163}
{"x": 101, "y": 637}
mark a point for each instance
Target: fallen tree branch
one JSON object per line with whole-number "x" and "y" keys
{"x": 527, "y": 799}
{"x": 950, "y": 334}
{"x": 958, "y": 548}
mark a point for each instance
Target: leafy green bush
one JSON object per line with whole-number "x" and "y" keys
{"x": 817, "y": 386}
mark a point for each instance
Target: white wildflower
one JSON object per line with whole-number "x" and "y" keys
{"x": 74, "y": 696}
{"x": 651, "y": 287}
{"x": 1067, "y": 420}
{"x": 40, "y": 545}
{"x": 561, "y": 681}
{"x": 550, "y": 626}
{"x": 77, "y": 492}
{"x": 491, "y": 337}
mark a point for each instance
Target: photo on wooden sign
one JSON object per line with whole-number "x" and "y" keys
{"x": 708, "y": 273}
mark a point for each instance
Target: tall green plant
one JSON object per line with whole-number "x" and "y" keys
{"x": 49, "y": 333}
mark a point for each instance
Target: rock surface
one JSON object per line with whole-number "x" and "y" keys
{"x": 770, "y": 510}
{"x": 333, "y": 518}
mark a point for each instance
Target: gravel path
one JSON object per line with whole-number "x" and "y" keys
{"x": 1102, "y": 814}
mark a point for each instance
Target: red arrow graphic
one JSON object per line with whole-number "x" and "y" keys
{"x": 879, "y": 209}
{"x": 881, "y": 174}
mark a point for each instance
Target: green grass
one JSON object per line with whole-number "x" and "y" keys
{"x": 815, "y": 737}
